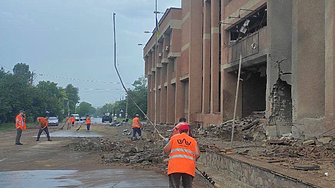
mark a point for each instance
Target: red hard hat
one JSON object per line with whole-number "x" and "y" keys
{"x": 183, "y": 126}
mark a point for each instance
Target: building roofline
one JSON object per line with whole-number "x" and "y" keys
{"x": 167, "y": 11}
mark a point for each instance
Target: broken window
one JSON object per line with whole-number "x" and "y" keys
{"x": 248, "y": 25}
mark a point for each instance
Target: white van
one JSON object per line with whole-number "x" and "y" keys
{"x": 76, "y": 116}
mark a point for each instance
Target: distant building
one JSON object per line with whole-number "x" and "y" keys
{"x": 193, "y": 69}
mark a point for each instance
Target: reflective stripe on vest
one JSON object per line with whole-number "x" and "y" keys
{"x": 182, "y": 156}
{"x": 183, "y": 150}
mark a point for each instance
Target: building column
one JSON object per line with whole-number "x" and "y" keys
{"x": 153, "y": 93}
{"x": 179, "y": 93}
{"x": 330, "y": 63}
{"x": 215, "y": 56}
{"x": 206, "y": 72}
{"x": 195, "y": 62}
{"x": 149, "y": 97}
{"x": 163, "y": 96}
{"x": 308, "y": 64}
{"x": 158, "y": 91}
{"x": 170, "y": 119}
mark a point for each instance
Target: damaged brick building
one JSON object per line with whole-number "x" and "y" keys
{"x": 287, "y": 66}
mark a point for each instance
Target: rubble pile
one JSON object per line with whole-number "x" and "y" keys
{"x": 85, "y": 144}
{"x": 309, "y": 152}
{"x": 250, "y": 128}
{"x": 140, "y": 152}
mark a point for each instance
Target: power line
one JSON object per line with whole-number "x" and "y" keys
{"x": 78, "y": 79}
{"x": 3, "y": 66}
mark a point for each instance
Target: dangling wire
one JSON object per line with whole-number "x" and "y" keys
{"x": 124, "y": 87}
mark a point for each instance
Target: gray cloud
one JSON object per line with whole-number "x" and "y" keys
{"x": 73, "y": 38}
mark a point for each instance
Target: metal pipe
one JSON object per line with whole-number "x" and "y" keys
{"x": 236, "y": 99}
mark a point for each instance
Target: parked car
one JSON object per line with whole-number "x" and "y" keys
{"x": 53, "y": 121}
{"x": 82, "y": 118}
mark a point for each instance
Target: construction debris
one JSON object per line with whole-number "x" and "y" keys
{"x": 248, "y": 129}
{"x": 143, "y": 152}
{"x": 308, "y": 142}
{"x": 306, "y": 167}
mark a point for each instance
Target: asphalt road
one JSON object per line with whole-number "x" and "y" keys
{"x": 51, "y": 164}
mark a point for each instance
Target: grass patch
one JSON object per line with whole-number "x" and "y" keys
{"x": 11, "y": 126}
{"x": 7, "y": 127}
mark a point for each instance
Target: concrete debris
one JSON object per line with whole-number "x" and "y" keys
{"x": 287, "y": 136}
{"x": 325, "y": 140}
{"x": 126, "y": 132}
{"x": 306, "y": 167}
{"x": 143, "y": 152}
{"x": 248, "y": 129}
{"x": 279, "y": 142}
{"x": 308, "y": 142}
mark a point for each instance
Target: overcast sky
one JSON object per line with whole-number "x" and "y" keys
{"x": 71, "y": 41}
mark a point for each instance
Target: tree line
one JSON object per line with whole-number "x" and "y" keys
{"x": 138, "y": 93}
{"x": 17, "y": 92}
{"x": 46, "y": 98}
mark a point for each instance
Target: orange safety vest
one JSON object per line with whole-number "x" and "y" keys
{"x": 136, "y": 123}
{"x": 182, "y": 155}
{"x": 88, "y": 120}
{"x": 20, "y": 122}
{"x": 43, "y": 121}
{"x": 72, "y": 119}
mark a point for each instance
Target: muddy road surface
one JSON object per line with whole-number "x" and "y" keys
{"x": 59, "y": 164}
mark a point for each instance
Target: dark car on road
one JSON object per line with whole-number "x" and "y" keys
{"x": 107, "y": 118}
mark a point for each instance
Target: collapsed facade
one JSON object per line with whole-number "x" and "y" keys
{"x": 287, "y": 49}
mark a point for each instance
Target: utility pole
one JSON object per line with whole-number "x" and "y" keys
{"x": 68, "y": 108}
{"x": 236, "y": 100}
{"x": 126, "y": 116}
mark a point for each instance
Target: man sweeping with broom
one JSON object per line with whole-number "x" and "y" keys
{"x": 43, "y": 122}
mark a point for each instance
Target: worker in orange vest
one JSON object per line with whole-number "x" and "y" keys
{"x": 184, "y": 152}
{"x": 136, "y": 127}
{"x": 182, "y": 121}
{"x": 20, "y": 122}
{"x": 67, "y": 122}
{"x": 43, "y": 127}
{"x": 72, "y": 120}
{"x": 88, "y": 122}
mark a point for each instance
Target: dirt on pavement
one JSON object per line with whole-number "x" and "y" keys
{"x": 111, "y": 150}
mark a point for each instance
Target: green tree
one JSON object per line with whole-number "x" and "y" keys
{"x": 139, "y": 95}
{"x": 107, "y": 108}
{"x": 85, "y": 108}
{"x": 72, "y": 96}
{"x": 22, "y": 70}
{"x": 53, "y": 98}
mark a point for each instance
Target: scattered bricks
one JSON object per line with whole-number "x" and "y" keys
{"x": 308, "y": 142}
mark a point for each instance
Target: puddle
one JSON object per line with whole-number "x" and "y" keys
{"x": 117, "y": 178}
{"x": 37, "y": 178}
{"x": 75, "y": 134}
